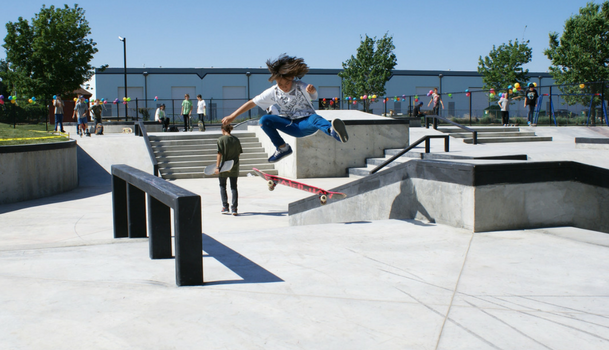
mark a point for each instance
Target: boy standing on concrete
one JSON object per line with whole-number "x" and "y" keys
{"x": 201, "y": 112}
{"x": 297, "y": 117}
{"x": 58, "y": 103}
{"x": 229, "y": 148}
{"x": 97, "y": 114}
{"x": 186, "y": 111}
{"x": 530, "y": 100}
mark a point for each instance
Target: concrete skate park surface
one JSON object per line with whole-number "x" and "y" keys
{"x": 387, "y": 284}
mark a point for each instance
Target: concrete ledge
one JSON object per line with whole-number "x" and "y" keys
{"x": 592, "y": 143}
{"x": 115, "y": 127}
{"x": 37, "y": 171}
{"x": 476, "y": 197}
{"x": 319, "y": 155}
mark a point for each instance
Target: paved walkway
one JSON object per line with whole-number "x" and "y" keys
{"x": 361, "y": 285}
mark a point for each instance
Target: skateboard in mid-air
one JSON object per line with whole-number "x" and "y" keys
{"x": 210, "y": 169}
{"x": 273, "y": 180}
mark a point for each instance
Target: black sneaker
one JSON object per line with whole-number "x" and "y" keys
{"x": 225, "y": 211}
{"x": 235, "y": 212}
{"x": 339, "y": 131}
{"x": 279, "y": 153}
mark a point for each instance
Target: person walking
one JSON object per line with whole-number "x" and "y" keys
{"x": 229, "y": 148}
{"x": 201, "y": 112}
{"x": 437, "y": 101}
{"x": 186, "y": 111}
{"x": 297, "y": 117}
{"x": 58, "y": 104}
{"x": 81, "y": 111}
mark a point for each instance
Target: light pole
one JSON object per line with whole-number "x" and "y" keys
{"x": 146, "y": 89}
{"x": 248, "y": 91}
{"x": 124, "y": 40}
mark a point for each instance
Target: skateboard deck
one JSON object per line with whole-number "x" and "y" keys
{"x": 210, "y": 169}
{"x": 273, "y": 180}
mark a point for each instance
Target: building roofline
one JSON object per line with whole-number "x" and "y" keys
{"x": 203, "y": 72}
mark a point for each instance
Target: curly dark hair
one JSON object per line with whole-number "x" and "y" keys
{"x": 287, "y": 66}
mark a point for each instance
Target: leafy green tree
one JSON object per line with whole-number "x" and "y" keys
{"x": 503, "y": 65}
{"x": 368, "y": 72}
{"x": 48, "y": 55}
{"x": 581, "y": 54}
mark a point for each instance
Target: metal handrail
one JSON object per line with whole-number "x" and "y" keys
{"x": 435, "y": 125}
{"x": 425, "y": 139}
{"x": 144, "y": 134}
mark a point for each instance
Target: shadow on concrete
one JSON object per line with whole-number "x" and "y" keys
{"x": 280, "y": 213}
{"x": 249, "y": 271}
{"x": 406, "y": 205}
{"x": 93, "y": 180}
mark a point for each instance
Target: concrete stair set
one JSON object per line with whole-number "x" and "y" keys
{"x": 485, "y": 135}
{"x": 185, "y": 156}
{"x": 494, "y": 134}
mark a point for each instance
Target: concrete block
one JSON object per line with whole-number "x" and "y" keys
{"x": 319, "y": 155}
{"x": 37, "y": 171}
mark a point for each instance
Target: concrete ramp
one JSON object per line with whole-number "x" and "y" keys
{"x": 474, "y": 195}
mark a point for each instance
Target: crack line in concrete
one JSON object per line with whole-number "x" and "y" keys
{"x": 452, "y": 298}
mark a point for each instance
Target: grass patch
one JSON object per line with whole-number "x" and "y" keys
{"x": 28, "y": 134}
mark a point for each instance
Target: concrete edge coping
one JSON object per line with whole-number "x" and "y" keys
{"x": 595, "y": 140}
{"x": 468, "y": 174}
{"x": 38, "y": 147}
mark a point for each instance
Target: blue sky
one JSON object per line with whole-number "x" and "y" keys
{"x": 428, "y": 35}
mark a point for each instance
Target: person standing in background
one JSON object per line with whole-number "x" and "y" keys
{"x": 229, "y": 148}
{"x": 186, "y": 111}
{"x": 58, "y": 103}
{"x": 530, "y": 100}
{"x": 504, "y": 104}
{"x": 201, "y": 112}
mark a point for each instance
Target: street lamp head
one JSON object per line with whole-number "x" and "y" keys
{"x": 121, "y": 38}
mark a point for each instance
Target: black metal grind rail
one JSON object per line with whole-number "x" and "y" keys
{"x": 130, "y": 189}
{"x": 425, "y": 139}
{"x": 446, "y": 120}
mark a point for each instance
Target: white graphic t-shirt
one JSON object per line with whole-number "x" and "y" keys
{"x": 294, "y": 104}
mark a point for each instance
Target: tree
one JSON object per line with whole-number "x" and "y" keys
{"x": 368, "y": 72}
{"x": 50, "y": 55}
{"x": 581, "y": 54}
{"x": 503, "y": 65}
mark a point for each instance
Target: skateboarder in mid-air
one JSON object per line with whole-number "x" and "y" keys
{"x": 297, "y": 116}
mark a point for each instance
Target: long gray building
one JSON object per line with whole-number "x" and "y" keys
{"x": 225, "y": 89}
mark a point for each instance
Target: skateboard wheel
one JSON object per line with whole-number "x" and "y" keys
{"x": 271, "y": 185}
{"x": 323, "y": 199}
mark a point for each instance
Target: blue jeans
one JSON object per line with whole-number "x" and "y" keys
{"x": 59, "y": 121}
{"x": 531, "y": 115}
{"x": 298, "y": 128}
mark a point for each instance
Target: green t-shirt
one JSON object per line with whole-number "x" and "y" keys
{"x": 186, "y": 107}
{"x": 97, "y": 111}
{"x": 230, "y": 148}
